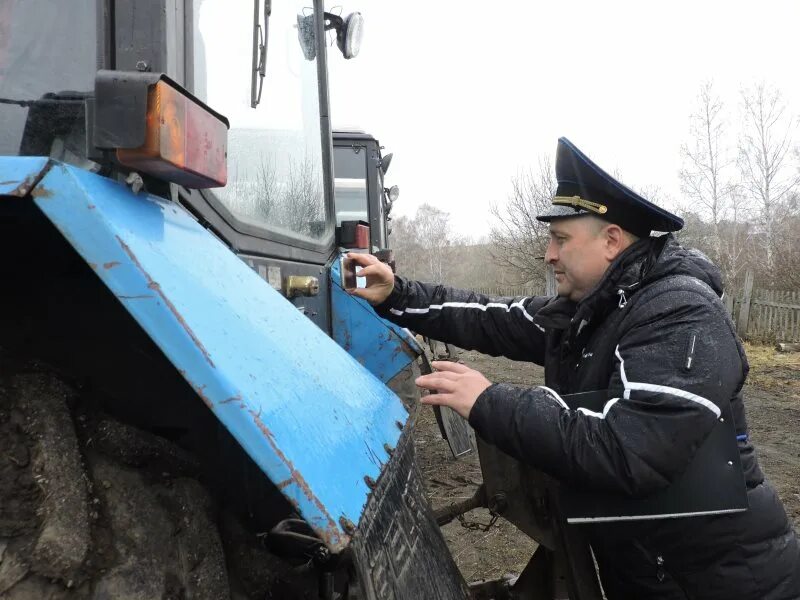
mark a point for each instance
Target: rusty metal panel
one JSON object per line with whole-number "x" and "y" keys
{"x": 315, "y": 421}
{"x": 382, "y": 347}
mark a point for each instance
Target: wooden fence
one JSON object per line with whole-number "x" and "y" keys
{"x": 504, "y": 291}
{"x": 531, "y": 289}
{"x": 769, "y": 315}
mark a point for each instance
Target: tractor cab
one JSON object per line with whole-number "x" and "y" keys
{"x": 360, "y": 190}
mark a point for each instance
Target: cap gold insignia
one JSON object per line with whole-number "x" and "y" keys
{"x": 578, "y": 202}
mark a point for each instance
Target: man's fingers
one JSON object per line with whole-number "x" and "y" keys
{"x": 439, "y": 400}
{"x": 446, "y": 365}
{"x": 362, "y": 260}
{"x": 436, "y": 382}
{"x": 441, "y": 375}
{"x": 373, "y": 269}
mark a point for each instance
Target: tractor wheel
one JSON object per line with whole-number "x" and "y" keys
{"x": 91, "y": 508}
{"x": 403, "y": 385}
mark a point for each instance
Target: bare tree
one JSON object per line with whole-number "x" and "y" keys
{"x": 767, "y": 179}
{"x": 708, "y": 185}
{"x": 266, "y": 187}
{"x": 696, "y": 233}
{"x": 787, "y": 245}
{"x": 519, "y": 239}
{"x": 301, "y": 207}
{"x": 408, "y": 251}
{"x": 704, "y": 176}
{"x": 433, "y": 228}
{"x": 423, "y": 246}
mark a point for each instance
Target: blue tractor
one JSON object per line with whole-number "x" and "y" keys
{"x": 191, "y": 406}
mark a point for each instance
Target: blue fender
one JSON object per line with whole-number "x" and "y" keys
{"x": 381, "y": 346}
{"x": 314, "y": 420}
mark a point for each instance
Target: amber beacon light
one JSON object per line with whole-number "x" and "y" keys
{"x": 169, "y": 133}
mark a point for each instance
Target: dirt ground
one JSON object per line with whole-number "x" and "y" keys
{"x": 773, "y": 412}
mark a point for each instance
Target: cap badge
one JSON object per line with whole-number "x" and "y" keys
{"x": 578, "y": 202}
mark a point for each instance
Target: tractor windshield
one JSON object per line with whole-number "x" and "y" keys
{"x": 275, "y": 175}
{"x": 48, "y": 61}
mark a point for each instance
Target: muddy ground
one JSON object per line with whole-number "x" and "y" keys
{"x": 773, "y": 409}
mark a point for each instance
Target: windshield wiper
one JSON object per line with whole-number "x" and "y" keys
{"x": 41, "y": 101}
{"x": 22, "y": 103}
{"x": 260, "y": 41}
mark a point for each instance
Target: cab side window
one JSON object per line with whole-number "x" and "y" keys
{"x": 350, "y": 184}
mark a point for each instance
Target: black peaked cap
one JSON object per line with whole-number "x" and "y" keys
{"x": 585, "y": 189}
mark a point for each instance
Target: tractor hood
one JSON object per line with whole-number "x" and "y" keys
{"x": 317, "y": 422}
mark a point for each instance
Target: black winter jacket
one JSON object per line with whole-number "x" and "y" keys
{"x": 655, "y": 334}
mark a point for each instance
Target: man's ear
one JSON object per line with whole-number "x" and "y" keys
{"x": 615, "y": 241}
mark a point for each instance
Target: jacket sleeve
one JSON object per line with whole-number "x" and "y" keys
{"x": 673, "y": 367}
{"x": 495, "y": 326}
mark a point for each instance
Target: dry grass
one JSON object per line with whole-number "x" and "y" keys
{"x": 778, "y": 372}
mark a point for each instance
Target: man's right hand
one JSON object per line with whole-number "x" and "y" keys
{"x": 380, "y": 279}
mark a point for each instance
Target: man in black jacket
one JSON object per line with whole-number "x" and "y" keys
{"x": 642, "y": 318}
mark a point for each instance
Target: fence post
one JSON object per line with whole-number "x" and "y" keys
{"x": 728, "y": 300}
{"x": 550, "y": 288}
{"x": 744, "y": 310}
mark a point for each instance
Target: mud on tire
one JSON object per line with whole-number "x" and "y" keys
{"x": 93, "y": 508}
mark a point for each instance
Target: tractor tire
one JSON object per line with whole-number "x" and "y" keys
{"x": 91, "y": 508}
{"x": 403, "y": 385}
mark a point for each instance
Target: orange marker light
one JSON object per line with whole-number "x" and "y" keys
{"x": 184, "y": 143}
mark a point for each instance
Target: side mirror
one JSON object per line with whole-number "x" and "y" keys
{"x": 385, "y": 162}
{"x": 306, "y": 37}
{"x": 392, "y": 194}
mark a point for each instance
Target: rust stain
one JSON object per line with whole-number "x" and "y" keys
{"x": 42, "y": 192}
{"x": 331, "y": 533}
{"x": 201, "y": 392}
{"x": 111, "y": 265}
{"x": 398, "y": 350}
{"x": 347, "y": 525}
{"x": 285, "y": 483}
{"x": 93, "y": 265}
{"x": 153, "y": 285}
{"x": 236, "y": 398}
{"x": 23, "y": 188}
{"x": 347, "y": 342}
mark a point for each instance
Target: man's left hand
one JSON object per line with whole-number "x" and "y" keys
{"x": 454, "y": 385}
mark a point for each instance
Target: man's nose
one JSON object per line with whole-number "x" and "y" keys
{"x": 551, "y": 254}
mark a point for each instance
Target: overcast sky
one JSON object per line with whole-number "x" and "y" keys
{"x": 467, "y": 93}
